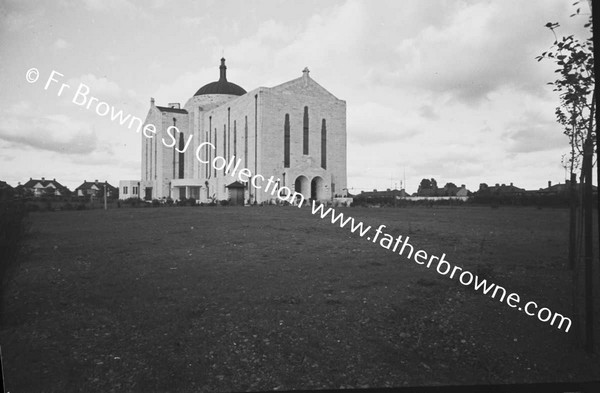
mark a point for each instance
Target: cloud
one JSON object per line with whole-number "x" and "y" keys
{"x": 55, "y": 132}
{"x": 192, "y": 21}
{"x": 373, "y": 124}
{"x": 99, "y": 86}
{"x": 61, "y": 44}
{"x": 476, "y": 49}
{"x": 428, "y": 112}
{"x": 105, "y": 5}
{"x": 18, "y": 17}
{"x": 536, "y": 137}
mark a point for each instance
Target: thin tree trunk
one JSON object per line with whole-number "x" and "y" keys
{"x": 588, "y": 243}
{"x": 572, "y": 221}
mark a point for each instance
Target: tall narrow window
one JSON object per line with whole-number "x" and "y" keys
{"x": 255, "y": 136}
{"x": 216, "y": 150}
{"x": 150, "y": 160}
{"x": 228, "y": 133}
{"x": 146, "y": 177}
{"x": 174, "y": 148}
{"x": 234, "y": 138}
{"x": 174, "y": 160}
{"x": 206, "y": 168}
{"x": 286, "y": 141}
{"x": 305, "y": 128}
{"x": 155, "y": 157}
{"x": 324, "y": 145}
{"x": 224, "y": 144}
{"x": 246, "y": 142}
{"x": 181, "y": 155}
{"x": 208, "y": 171}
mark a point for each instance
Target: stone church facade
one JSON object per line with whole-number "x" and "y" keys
{"x": 294, "y": 132}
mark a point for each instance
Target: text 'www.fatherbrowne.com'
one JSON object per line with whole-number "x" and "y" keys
{"x": 402, "y": 246}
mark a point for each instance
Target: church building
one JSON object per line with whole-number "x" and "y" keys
{"x": 294, "y": 132}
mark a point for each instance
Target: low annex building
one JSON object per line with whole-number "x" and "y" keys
{"x": 129, "y": 189}
{"x": 294, "y": 132}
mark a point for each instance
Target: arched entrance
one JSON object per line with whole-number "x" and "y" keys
{"x": 316, "y": 188}
{"x": 301, "y": 186}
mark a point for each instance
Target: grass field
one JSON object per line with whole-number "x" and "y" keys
{"x": 261, "y": 298}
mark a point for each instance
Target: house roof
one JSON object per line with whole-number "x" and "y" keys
{"x": 45, "y": 183}
{"x": 506, "y": 189}
{"x": 222, "y": 86}
{"x": 86, "y": 185}
{"x": 387, "y": 193}
{"x": 559, "y": 188}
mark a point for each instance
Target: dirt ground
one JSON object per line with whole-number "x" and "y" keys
{"x": 272, "y": 298}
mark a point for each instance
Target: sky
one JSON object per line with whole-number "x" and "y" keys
{"x": 442, "y": 89}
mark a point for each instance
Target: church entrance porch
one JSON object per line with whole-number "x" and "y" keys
{"x": 316, "y": 188}
{"x": 301, "y": 186}
{"x": 236, "y": 193}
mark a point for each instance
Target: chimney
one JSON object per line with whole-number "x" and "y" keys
{"x": 462, "y": 186}
{"x": 503, "y": 184}
{"x": 96, "y": 181}
{"x": 174, "y": 105}
{"x": 151, "y": 101}
{"x": 511, "y": 184}
{"x": 43, "y": 178}
{"x": 549, "y": 183}
{"x": 497, "y": 184}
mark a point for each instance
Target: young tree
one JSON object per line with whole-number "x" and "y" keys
{"x": 576, "y": 113}
{"x": 575, "y": 86}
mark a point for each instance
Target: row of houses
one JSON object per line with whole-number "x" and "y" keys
{"x": 43, "y": 187}
{"x": 131, "y": 189}
{"x": 389, "y": 193}
{"x": 507, "y": 190}
{"x": 512, "y": 190}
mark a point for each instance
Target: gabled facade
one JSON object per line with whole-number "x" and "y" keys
{"x": 42, "y": 187}
{"x": 95, "y": 189}
{"x": 294, "y": 132}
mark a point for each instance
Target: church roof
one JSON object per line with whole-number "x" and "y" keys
{"x": 169, "y": 109}
{"x": 222, "y": 86}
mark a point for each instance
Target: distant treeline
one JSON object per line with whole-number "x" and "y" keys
{"x": 532, "y": 199}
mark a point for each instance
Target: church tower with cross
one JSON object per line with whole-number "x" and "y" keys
{"x": 295, "y": 132}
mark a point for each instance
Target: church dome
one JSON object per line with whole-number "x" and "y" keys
{"x": 222, "y": 86}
